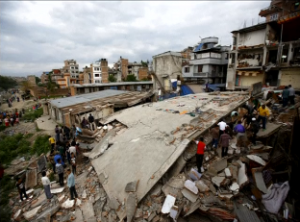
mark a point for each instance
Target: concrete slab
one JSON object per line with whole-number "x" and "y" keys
{"x": 257, "y": 159}
{"x": 46, "y": 123}
{"x": 168, "y": 204}
{"x": 270, "y": 129}
{"x": 259, "y": 180}
{"x": 131, "y": 186}
{"x": 28, "y": 215}
{"x": 194, "y": 175}
{"x": 151, "y": 143}
{"x": 100, "y": 148}
{"x": 42, "y": 163}
{"x": 131, "y": 205}
{"x": 78, "y": 215}
{"x": 217, "y": 180}
{"x": 189, "y": 195}
{"x": 242, "y": 176}
{"x": 31, "y": 178}
{"x": 190, "y": 185}
{"x": 87, "y": 210}
{"x": 57, "y": 190}
{"x": 40, "y": 200}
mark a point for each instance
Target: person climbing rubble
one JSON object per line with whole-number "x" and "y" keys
{"x": 21, "y": 188}
{"x": 240, "y": 130}
{"x": 60, "y": 172}
{"x": 224, "y": 143}
{"x": 201, "y": 146}
{"x": 46, "y": 183}
{"x": 71, "y": 184}
{"x": 254, "y": 128}
{"x": 263, "y": 113}
{"x": 215, "y": 136}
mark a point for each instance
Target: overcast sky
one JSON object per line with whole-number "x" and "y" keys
{"x": 39, "y": 36}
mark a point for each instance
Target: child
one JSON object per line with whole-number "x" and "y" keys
{"x": 73, "y": 162}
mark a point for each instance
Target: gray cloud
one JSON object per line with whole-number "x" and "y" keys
{"x": 39, "y": 36}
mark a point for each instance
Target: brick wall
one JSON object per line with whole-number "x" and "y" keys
{"x": 104, "y": 69}
{"x": 39, "y": 91}
{"x": 143, "y": 73}
{"x": 124, "y": 67}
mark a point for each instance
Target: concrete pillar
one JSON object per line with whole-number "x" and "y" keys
{"x": 291, "y": 53}
{"x": 264, "y": 55}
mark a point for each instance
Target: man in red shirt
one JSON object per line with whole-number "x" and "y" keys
{"x": 201, "y": 146}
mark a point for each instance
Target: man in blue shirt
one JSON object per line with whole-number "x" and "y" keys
{"x": 71, "y": 184}
{"x": 240, "y": 130}
{"x": 57, "y": 157}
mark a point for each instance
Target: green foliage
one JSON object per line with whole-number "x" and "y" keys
{"x": 7, "y": 83}
{"x": 41, "y": 145}
{"x": 7, "y": 185}
{"x": 2, "y": 127}
{"x": 144, "y": 64}
{"x": 32, "y": 115}
{"x": 130, "y": 78}
{"x": 37, "y": 80}
{"x": 111, "y": 78}
{"x": 51, "y": 176}
{"x": 13, "y": 146}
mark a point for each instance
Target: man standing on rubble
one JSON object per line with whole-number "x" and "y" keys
{"x": 215, "y": 136}
{"x": 263, "y": 112}
{"x": 291, "y": 95}
{"x": 224, "y": 142}
{"x": 240, "y": 130}
{"x": 201, "y": 146}
{"x": 222, "y": 126}
{"x": 71, "y": 185}
{"x": 285, "y": 96}
{"x": 60, "y": 172}
{"x": 52, "y": 143}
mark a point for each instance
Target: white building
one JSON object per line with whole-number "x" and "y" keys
{"x": 96, "y": 71}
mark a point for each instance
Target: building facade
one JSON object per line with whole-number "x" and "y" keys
{"x": 268, "y": 52}
{"x": 207, "y": 63}
{"x": 166, "y": 68}
{"x": 31, "y": 80}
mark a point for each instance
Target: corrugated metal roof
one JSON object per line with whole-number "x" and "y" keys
{"x": 73, "y": 100}
{"x": 112, "y": 84}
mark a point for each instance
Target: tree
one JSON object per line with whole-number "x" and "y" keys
{"x": 7, "y": 83}
{"x": 144, "y": 64}
{"x": 111, "y": 78}
{"x": 130, "y": 78}
{"x": 50, "y": 86}
{"x": 37, "y": 80}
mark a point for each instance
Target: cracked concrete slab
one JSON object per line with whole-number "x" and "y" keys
{"x": 148, "y": 142}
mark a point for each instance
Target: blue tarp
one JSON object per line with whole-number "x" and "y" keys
{"x": 198, "y": 47}
{"x": 185, "y": 90}
{"x": 215, "y": 87}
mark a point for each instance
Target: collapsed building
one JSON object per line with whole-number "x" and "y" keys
{"x": 71, "y": 110}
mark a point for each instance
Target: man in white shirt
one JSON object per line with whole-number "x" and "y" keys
{"x": 46, "y": 183}
{"x": 222, "y": 126}
{"x": 72, "y": 149}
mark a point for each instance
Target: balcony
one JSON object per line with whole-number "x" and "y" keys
{"x": 209, "y": 60}
{"x": 208, "y": 75}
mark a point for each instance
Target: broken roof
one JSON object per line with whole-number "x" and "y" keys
{"x": 73, "y": 100}
{"x": 151, "y": 141}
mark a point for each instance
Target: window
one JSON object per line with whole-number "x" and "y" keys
{"x": 186, "y": 69}
{"x": 226, "y": 56}
{"x": 96, "y": 69}
{"x": 97, "y": 75}
{"x": 234, "y": 40}
{"x": 72, "y": 67}
{"x": 97, "y": 81}
{"x": 200, "y": 67}
{"x": 205, "y": 55}
{"x": 72, "y": 72}
{"x": 232, "y": 58}
{"x": 215, "y": 55}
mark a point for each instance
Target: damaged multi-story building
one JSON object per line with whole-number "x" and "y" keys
{"x": 207, "y": 62}
{"x": 97, "y": 72}
{"x": 268, "y": 52}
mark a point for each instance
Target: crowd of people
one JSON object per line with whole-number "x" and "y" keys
{"x": 11, "y": 118}
{"x": 63, "y": 158}
{"x": 252, "y": 120}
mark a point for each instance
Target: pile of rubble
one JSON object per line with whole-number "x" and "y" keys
{"x": 243, "y": 186}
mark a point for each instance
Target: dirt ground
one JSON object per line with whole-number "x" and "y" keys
{"x": 18, "y": 105}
